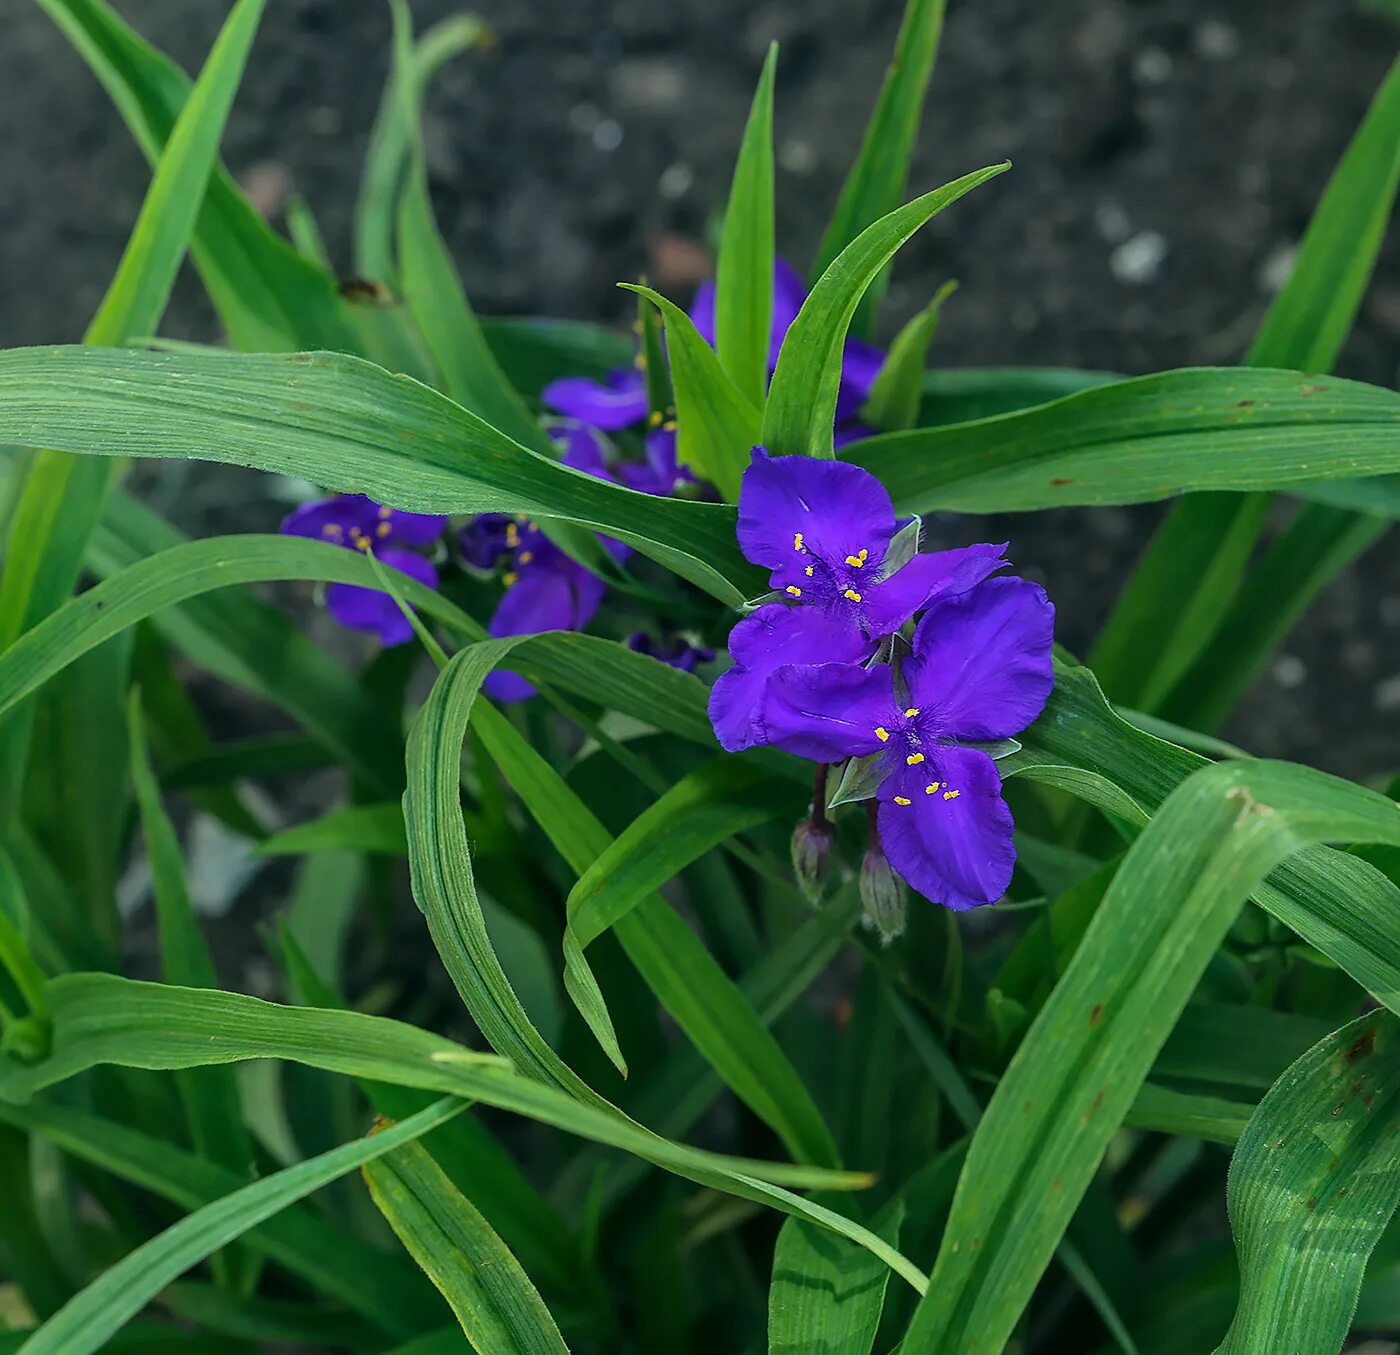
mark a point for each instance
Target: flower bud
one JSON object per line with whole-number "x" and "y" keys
{"x": 882, "y": 895}
{"x": 811, "y": 855}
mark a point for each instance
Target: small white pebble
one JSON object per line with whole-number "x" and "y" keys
{"x": 1138, "y": 260}
{"x": 607, "y": 135}
{"x": 1289, "y": 671}
{"x": 676, "y": 180}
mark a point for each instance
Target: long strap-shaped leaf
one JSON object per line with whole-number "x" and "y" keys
{"x": 86, "y": 1322}
{"x": 501, "y": 1312}
{"x": 1313, "y": 1183}
{"x": 1175, "y": 612}
{"x": 877, "y": 179}
{"x": 100, "y": 1018}
{"x": 708, "y": 1006}
{"x": 1337, "y": 902}
{"x": 1075, "y": 1074}
{"x": 62, "y": 497}
{"x": 801, "y": 405}
{"x": 349, "y": 425}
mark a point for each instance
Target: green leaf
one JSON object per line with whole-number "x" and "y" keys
{"x": 100, "y": 1018}
{"x": 213, "y": 1108}
{"x": 533, "y": 351}
{"x": 1313, "y": 313}
{"x": 87, "y": 1321}
{"x": 61, "y": 498}
{"x": 1075, "y": 1074}
{"x": 1337, "y": 902}
{"x": 744, "y": 269}
{"x": 708, "y": 1007}
{"x": 360, "y": 828}
{"x": 499, "y": 1309}
{"x": 344, "y": 423}
{"x": 962, "y": 394}
{"x": 1314, "y": 1181}
{"x": 1148, "y": 438}
{"x": 717, "y": 425}
{"x": 802, "y": 398}
{"x": 434, "y": 293}
{"x": 877, "y": 180}
{"x": 894, "y": 398}
{"x": 391, "y": 143}
{"x": 721, "y": 798}
{"x": 1311, "y": 551}
{"x": 267, "y": 295}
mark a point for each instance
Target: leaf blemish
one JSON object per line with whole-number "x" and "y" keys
{"x": 1096, "y": 1013}
{"x": 1363, "y": 1045}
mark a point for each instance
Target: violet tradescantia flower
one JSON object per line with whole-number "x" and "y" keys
{"x": 674, "y": 650}
{"x": 980, "y": 670}
{"x": 359, "y": 523}
{"x": 618, "y": 401}
{"x": 661, "y": 473}
{"x": 823, "y": 529}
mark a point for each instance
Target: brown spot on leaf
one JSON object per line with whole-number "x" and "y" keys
{"x": 1096, "y": 1013}
{"x": 1363, "y": 1045}
{"x": 1368, "y": 1100}
{"x": 976, "y": 1242}
{"x": 1312, "y": 1206}
{"x": 1060, "y": 480}
{"x": 1243, "y": 404}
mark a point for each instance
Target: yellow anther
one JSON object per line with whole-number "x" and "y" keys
{"x": 655, "y": 418}
{"x": 951, "y": 794}
{"x": 911, "y": 712}
{"x": 851, "y": 594}
{"x": 670, "y": 425}
{"x": 385, "y": 511}
{"x": 383, "y": 529}
{"x": 900, "y": 800}
{"x": 512, "y": 535}
{"x": 509, "y": 579}
{"x": 914, "y": 759}
{"x": 333, "y": 530}
{"x": 363, "y": 544}
{"x": 931, "y": 787}
{"x": 808, "y": 571}
{"x": 525, "y": 557}
{"x": 640, "y": 362}
{"x": 882, "y": 733}
{"x": 793, "y": 590}
{"x": 797, "y": 541}
{"x": 855, "y": 561}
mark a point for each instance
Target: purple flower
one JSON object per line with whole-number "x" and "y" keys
{"x": 660, "y": 473}
{"x": 359, "y": 523}
{"x": 674, "y": 649}
{"x": 823, "y": 529}
{"x": 618, "y": 401}
{"x": 980, "y": 670}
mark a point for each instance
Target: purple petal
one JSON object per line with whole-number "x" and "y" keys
{"x": 485, "y": 539}
{"x": 828, "y": 711}
{"x": 558, "y": 595}
{"x": 673, "y": 650}
{"x": 846, "y": 433}
{"x": 792, "y": 508}
{"x": 889, "y": 603}
{"x": 774, "y": 635}
{"x": 370, "y": 609}
{"x": 702, "y": 311}
{"x": 583, "y": 449}
{"x": 953, "y": 843}
{"x": 617, "y": 402}
{"x": 331, "y": 519}
{"x": 789, "y": 292}
{"x": 660, "y": 473}
{"x": 981, "y": 665}
{"x": 860, "y": 365}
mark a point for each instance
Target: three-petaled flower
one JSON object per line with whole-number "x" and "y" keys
{"x": 979, "y": 668}
{"x": 824, "y": 530}
{"x": 359, "y": 523}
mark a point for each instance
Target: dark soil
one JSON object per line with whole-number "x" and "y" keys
{"x": 1167, "y": 155}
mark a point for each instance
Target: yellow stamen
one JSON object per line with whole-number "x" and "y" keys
{"x": 383, "y": 529}
{"x": 525, "y": 557}
{"x": 855, "y": 561}
{"x": 385, "y": 511}
{"x": 882, "y": 733}
{"x": 912, "y": 711}
{"x": 512, "y": 535}
{"x": 333, "y": 530}
{"x": 900, "y": 800}
{"x": 794, "y": 590}
{"x": 851, "y": 594}
{"x": 951, "y": 794}
{"x": 670, "y": 425}
{"x": 797, "y": 541}
{"x": 808, "y": 571}
{"x": 931, "y": 787}
{"x": 509, "y": 579}
{"x": 655, "y": 419}
{"x": 914, "y": 759}
{"x": 640, "y": 362}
